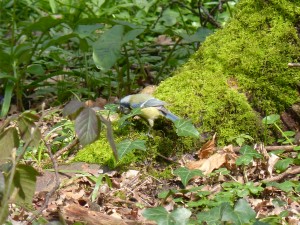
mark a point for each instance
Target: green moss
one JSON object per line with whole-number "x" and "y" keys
{"x": 239, "y": 70}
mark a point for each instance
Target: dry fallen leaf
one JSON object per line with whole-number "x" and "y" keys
{"x": 207, "y": 149}
{"x": 271, "y": 162}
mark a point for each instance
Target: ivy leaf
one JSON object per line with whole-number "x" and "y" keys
{"x": 213, "y": 216}
{"x": 283, "y": 164}
{"x": 87, "y": 126}
{"x": 241, "y": 214}
{"x": 248, "y": 154}
{"x": 127, "y": 146}
{"x": 161, "y": 216}
{"x": 107, "y": 49}
{"x": 286, "y": 186}
{"x": 186, "y": 175}
{"x": 186, "y": 128}
{"x": 271, "y": 119}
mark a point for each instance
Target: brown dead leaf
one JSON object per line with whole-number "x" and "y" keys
{"x": 208, "y": 165}
{"x": 207, "y": 149}
{"x": 271, "y": 162}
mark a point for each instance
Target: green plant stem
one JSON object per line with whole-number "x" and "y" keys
{"x": 167, "y": 60}
{"x": 127, "y": 71}
{"x": 291, "y": 143}
{"x": 139, "y": 59}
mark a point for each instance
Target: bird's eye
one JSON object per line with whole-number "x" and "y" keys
{"x": 124, "y": 110}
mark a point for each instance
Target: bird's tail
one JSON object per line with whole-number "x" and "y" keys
{"x": 171, "y": 116}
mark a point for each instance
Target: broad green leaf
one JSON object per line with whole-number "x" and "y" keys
{"x": 28, "y": 130}
{"x": 87, "y": 126}
{"x": 85, "y": 30}
{"x": 186, "y": 174}
{"x": 159, "y": 214}
{"x": 169, "y": 17}
{"x": 186, "y": 128}
{"x": 271, "y": 119}
{"x": 244, "y": 160}
{"x": 106, "y": 50}
{"x": 9, "y": 87}
{"x": 43, "y": 24}
{"x": 9, "y": 139}
{"x": 198, "y": 36}
{"x": 22, "y": 53}
{"x": 181, "y": 216}
{"x": 126, "y": 146}
{"x": 36, "y": 69}
{"x": 240, "y": 215}
{"x": 24, "y": 180}
{"x": 131, "y": 35}
{"x": 213, "y": 216}
{"x": 248, "y": 154}
{"x": 286, "y": 186}
{"x": 72, "y": 108}
{"x": 283, "y": 164}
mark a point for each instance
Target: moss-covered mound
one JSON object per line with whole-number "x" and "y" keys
{"x": 239, "y": 70}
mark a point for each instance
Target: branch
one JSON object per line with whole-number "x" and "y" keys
{"x": 50, "y": 193}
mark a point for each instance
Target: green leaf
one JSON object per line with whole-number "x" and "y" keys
{"x": 126, "y": 146}
{"x": 132, "y": 113}
{"x": 289, "y": 133}
{"x": 283, "y": 164}
{"x": 186, "y": 175}
{"x": 186, "y": 128}
{"x": 213, "y": 216}
{"x": 28, "y": 130}
{"x": 43, "y": 24}
{"x": 297, "y": 148}
{"x": 240, "y": 215}
{"x": 9, "y": 87}
{"x": 131, "y": 35}
{"x": 87, "y": 126}
{"x": 107, "y": 49}
{"x": 97, "y": 186}
{"x": 248, "y": 154}
{"x": 169, "y": 17}
{"x": 181, "y": 216}
{"x": 199, "y": 36}
{"x": 271, "y": 119}
{"x": 72, "y": 108}
{"x": 9, "y": 139}
{"x": 36, "y": 69}
{"x": 159, "y": 214}
{"x": 286, "y": 186}
{"x": 85, "y": 30}
{"x": 24, "y": 180}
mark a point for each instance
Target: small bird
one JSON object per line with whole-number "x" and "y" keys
{"x": 151, "y": 108}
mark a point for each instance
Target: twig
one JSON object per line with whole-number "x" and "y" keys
{"x": 290, "y": 171}
{"x": 50, "y": 193}
{"x": 66, "y": 148}
{"x": 293, "y": 64}
{"x": 286, "y": 148}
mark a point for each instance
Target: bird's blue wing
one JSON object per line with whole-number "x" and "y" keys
{"x": 153, "y": 102}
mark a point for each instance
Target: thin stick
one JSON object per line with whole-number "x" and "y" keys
{"x": 50, "y": 193}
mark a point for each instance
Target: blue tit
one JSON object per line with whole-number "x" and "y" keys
{"x": 151, "y": 108}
